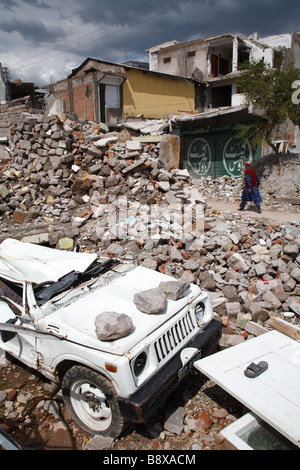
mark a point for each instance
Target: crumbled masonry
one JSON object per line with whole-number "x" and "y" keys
{"x": 150, "y": 301}
{"x": 110, "y": 326}
{"x": 70, "y": 185}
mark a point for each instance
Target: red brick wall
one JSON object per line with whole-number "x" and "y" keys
{"x": 64, "y": 94}
{"x": 83, "y": 106}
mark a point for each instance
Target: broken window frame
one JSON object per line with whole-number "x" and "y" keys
{"x": 48, "y": 290}
{"x": 191, "y": 54}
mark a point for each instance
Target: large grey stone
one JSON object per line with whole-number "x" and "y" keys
{"x": 3, "y": 191}
{"x": 230, "y": 292}
{"x": 151, "y": 301}
{"x": 237, "y": 261}
{"x": 24, "y": 144}
{"x": 105, "y": 142}
{"x": 294, "y": 305}
{"x": 174, "y": 420}
{"x": 150, "y": 263}
{"x": 112, "y": 325}
{"x": 175, "y": 254}
{"x": 207, "y": 281}
{"x": 174, "y": 290}
{"x": 291, "y": 249}
{"x": 272, "y": 299}
{"x": 164, "y": 185}
{"x": 99, "y": 443}
{"x": 260, "y": 269}
{"x": 296, "y": 274}
{"x": 227, "y": 341}
{"x": 259, "y": 311}
{"x": 191, "y": 265}
{"x": 233, "y": 308}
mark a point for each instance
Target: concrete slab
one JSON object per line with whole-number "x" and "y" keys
{"x": 233, "y": 432}
{"x": 251, "y": 433}
{"x": 274, "y": 396}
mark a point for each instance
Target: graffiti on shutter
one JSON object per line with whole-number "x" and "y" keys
{"x": 199, "y": 156}
{"x": 236, "y": 153}
{"x": 216, "y": 153}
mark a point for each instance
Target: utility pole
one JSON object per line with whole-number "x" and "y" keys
{"x": 4, "y": 78}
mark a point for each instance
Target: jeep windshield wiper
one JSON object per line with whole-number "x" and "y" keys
{"x": 72, "y": 279}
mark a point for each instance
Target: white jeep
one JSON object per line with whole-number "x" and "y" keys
{"x": 49, "y": 301}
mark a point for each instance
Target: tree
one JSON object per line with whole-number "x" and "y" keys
{"x": 270, "y": 90}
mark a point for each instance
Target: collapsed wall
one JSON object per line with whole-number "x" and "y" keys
{"x": 70, "y": 185}
{"x": 56, "y": 170}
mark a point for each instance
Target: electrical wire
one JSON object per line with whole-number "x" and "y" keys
{"x": 80, "y": 37}
{"x": 98, "y": 38}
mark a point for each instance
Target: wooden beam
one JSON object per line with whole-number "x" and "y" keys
{"x": 284, "y": 327}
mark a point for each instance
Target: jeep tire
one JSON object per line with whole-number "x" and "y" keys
{"x": 91, "y": 399}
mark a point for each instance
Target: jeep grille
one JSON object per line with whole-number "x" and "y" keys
{"x": 174, "y": 336}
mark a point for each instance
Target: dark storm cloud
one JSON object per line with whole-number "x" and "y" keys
{"x": 267, "y": 17}
{"x": 37, "y": 4}
{"x": 62, "y": 34}
{"x": 209, "y": 16}
{"x": 131, "y": 26}
{"x": 7, "y": 5}
{"x": 11, "y": 5}
{"x": 135, "y": 25}
{"x": 120, "y": 12}
{"x": 32, "y": 30}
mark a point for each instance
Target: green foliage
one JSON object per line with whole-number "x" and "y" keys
{"x": 270, "y": 91}
{"x": 252, "y": 131}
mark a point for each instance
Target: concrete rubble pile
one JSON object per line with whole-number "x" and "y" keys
{"x": 252, "y": 273}
{"x": 67, "y": 173}
{"x": 72, "y": 186}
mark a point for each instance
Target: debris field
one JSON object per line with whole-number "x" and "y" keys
{"x": 73, "y": 185}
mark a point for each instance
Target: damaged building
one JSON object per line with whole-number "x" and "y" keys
{"x": 193, "y": 85}
{"x": 213, "y": 62}
{"x": 3, "y": 92}
{"x": 209, "y": 146}
{"x": 12, "y": 91}
{"x": 106, "y": 92}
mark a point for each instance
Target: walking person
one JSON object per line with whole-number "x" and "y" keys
{"x": 251, "y": 185}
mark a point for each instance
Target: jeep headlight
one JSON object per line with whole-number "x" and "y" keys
{"x": 139, "y": 364}
{"x": 200, "y": 312}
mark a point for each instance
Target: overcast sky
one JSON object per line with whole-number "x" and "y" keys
{"x": 42, "y": 41}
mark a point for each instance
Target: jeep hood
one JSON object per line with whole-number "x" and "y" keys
{"x": 76, "y": 320}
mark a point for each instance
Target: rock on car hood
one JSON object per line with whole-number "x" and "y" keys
{"x": 76, "y": 319}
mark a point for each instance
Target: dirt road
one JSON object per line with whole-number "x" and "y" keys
{"x": 278, "y": 216}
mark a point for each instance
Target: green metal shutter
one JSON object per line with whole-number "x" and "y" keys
{"x": 216, "y": 153}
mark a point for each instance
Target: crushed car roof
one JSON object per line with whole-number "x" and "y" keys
{"x": 35, "y": 263}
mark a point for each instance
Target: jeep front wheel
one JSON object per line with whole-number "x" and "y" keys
{"x": 91, "y": 398}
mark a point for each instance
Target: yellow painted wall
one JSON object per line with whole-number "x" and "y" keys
{"x": 156, "y": 96}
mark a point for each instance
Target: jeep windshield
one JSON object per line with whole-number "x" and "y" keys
{"x": 47, "y": 290}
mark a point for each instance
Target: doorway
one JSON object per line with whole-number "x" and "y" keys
{"x": 110, "y": 99}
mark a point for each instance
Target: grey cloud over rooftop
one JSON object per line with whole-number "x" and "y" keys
{"x": 41, "y": 39}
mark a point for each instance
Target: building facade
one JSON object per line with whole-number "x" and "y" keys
{"x": 214, "y": 61}
{"x": 105, "y": 92}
